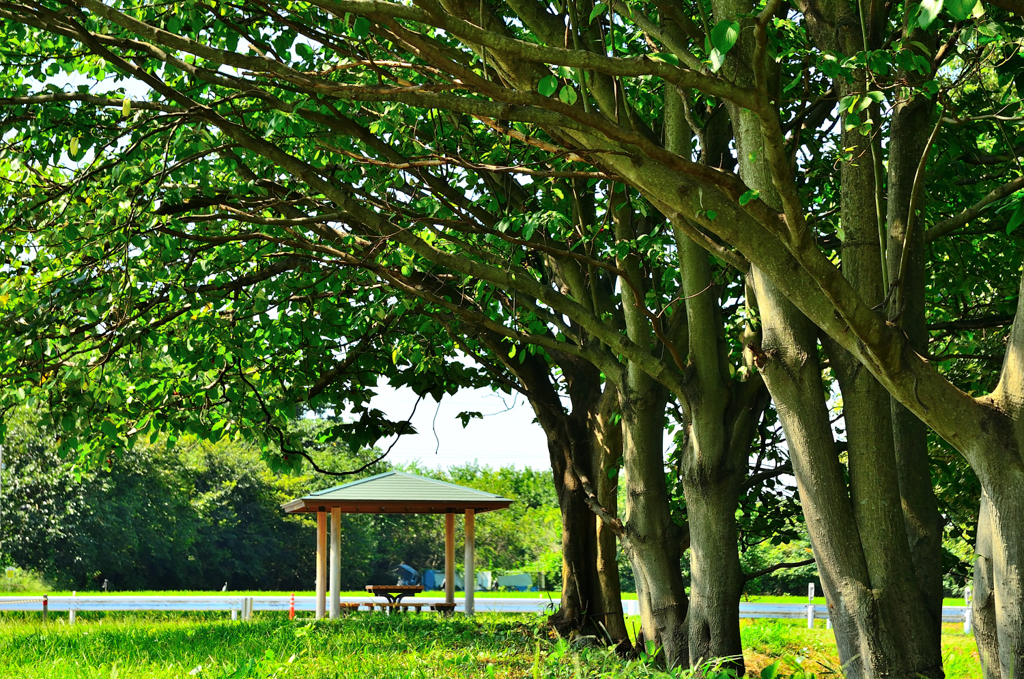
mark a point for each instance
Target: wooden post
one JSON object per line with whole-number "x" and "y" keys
{"x": 449, "y": 558}
{"x": 470, "y": 566}
{"x": 335, "y": 562}
{"x": 321, "y": 564}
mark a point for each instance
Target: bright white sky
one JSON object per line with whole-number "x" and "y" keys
{"x": 506, "y": 436}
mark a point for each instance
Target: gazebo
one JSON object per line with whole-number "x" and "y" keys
{"x": 394, "y": 493}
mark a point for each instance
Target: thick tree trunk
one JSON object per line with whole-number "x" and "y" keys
{"x": 716, "y": 577}
{"x": 713, "y": 468}
{"x": 983, "y": 605}
{"x": 652, "y": 539}
{"x": 584, "y": 442}
{"x": 606, "y": 449}
{"x": 878, "y": 629}
{"x": 1005, "y": 494}
{"x": 911, "y": 124}
{"x": 591, "y": 602}
{"x": 875, "y": 488}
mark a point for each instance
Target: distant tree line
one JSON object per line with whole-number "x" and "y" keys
{"x": 193, "y": 515}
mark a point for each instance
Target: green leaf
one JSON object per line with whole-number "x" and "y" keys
{"x": 73, "y": 147}
{"x": 717, "y": 59}
{"x": 304, "y": 51}
{"x": 599, "y": 9}
{"x": 1015, "y": 219}
{"x": 771, "y": 671}
{"x": 512, "y": 352}
{"x": 665, "y": 57}
{"x": 927, "y": 12}
{"x": 960, "y": 9}
{"x": 361, "y": 28}
{"x": 567, "y": 95}
{"x": 126, "y": 108}
{"x": 724, "y": 35}
{"x": 548, "y": 85}
{"x": 749, "y": 196}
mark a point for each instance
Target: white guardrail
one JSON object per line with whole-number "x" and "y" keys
{"x": 247, "y": 604}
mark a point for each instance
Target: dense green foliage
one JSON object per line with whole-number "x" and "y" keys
{"x": 260, "y": 205}
{"x": 198, "y": 516}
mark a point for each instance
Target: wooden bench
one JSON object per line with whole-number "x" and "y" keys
{"x": 400, "y": 606}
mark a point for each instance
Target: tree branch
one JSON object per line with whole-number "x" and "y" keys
{"x": 953, "y": 223}
{"x": 777, "y": 567}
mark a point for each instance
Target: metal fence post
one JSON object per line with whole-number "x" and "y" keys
{"x": 810, "y": 605}
{"x": 46, "y": 607}
{"x": 71, "y": 609}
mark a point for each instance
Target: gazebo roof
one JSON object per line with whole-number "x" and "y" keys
{"x": 398, "y": 493}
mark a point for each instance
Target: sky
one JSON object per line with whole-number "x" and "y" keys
{"x": 506, "y": 436}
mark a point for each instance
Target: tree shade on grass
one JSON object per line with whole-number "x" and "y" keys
{"x": 147, "y": 646}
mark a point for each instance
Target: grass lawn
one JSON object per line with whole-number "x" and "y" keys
{"x": 766, "y": 641}
{"x": 372, "y": 645}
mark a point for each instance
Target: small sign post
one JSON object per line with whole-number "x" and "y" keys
{"x": 810, "y": 605}
{"x": 968, "y": 611}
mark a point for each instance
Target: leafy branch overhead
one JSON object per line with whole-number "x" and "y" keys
{"x": 216, "y": 213}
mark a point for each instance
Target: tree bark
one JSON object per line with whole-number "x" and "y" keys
{"x": 607, "y": 451}
{"x": 652, "y": 540}
{"x": 583, "y": 442}
{"x": 983, "y": 604}
{"x": 911, "y": 124}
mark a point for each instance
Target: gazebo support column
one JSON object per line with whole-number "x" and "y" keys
{"x": 449, "y": 558}
{"x": 321, "y": 564}
{"x": 470, "y": 578}
{"x": 335, "y": 562}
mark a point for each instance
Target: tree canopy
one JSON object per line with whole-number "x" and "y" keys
{"x": 215, "y": 210}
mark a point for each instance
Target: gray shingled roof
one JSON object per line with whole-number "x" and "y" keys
{"x": 399, "y": 492}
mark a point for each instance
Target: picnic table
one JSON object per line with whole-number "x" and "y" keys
{"x": 394, "y": 593}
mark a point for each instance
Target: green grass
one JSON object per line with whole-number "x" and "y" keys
{"x": 765, "y": 641}
{"x": 372, "y": 645}
{"x": 360, "y": 645}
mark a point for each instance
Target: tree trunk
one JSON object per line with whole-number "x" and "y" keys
{"x": 652, "y": 540}
{"x": 983, "y": 605}
{"x": 716, "y": 584}
{"x": 1005, "y": 495}
{"x": 876, "y": 494}
{"x": 911, "y": 124}
{"x": 591, "y": 602}
{"x": 878, "y": 628}
{"x": 713, "y": 468}
{"x": 584, "y": 442}
{"x": 606, "y": 448}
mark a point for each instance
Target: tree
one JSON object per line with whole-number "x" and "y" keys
{"x": 330, "y": 83}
